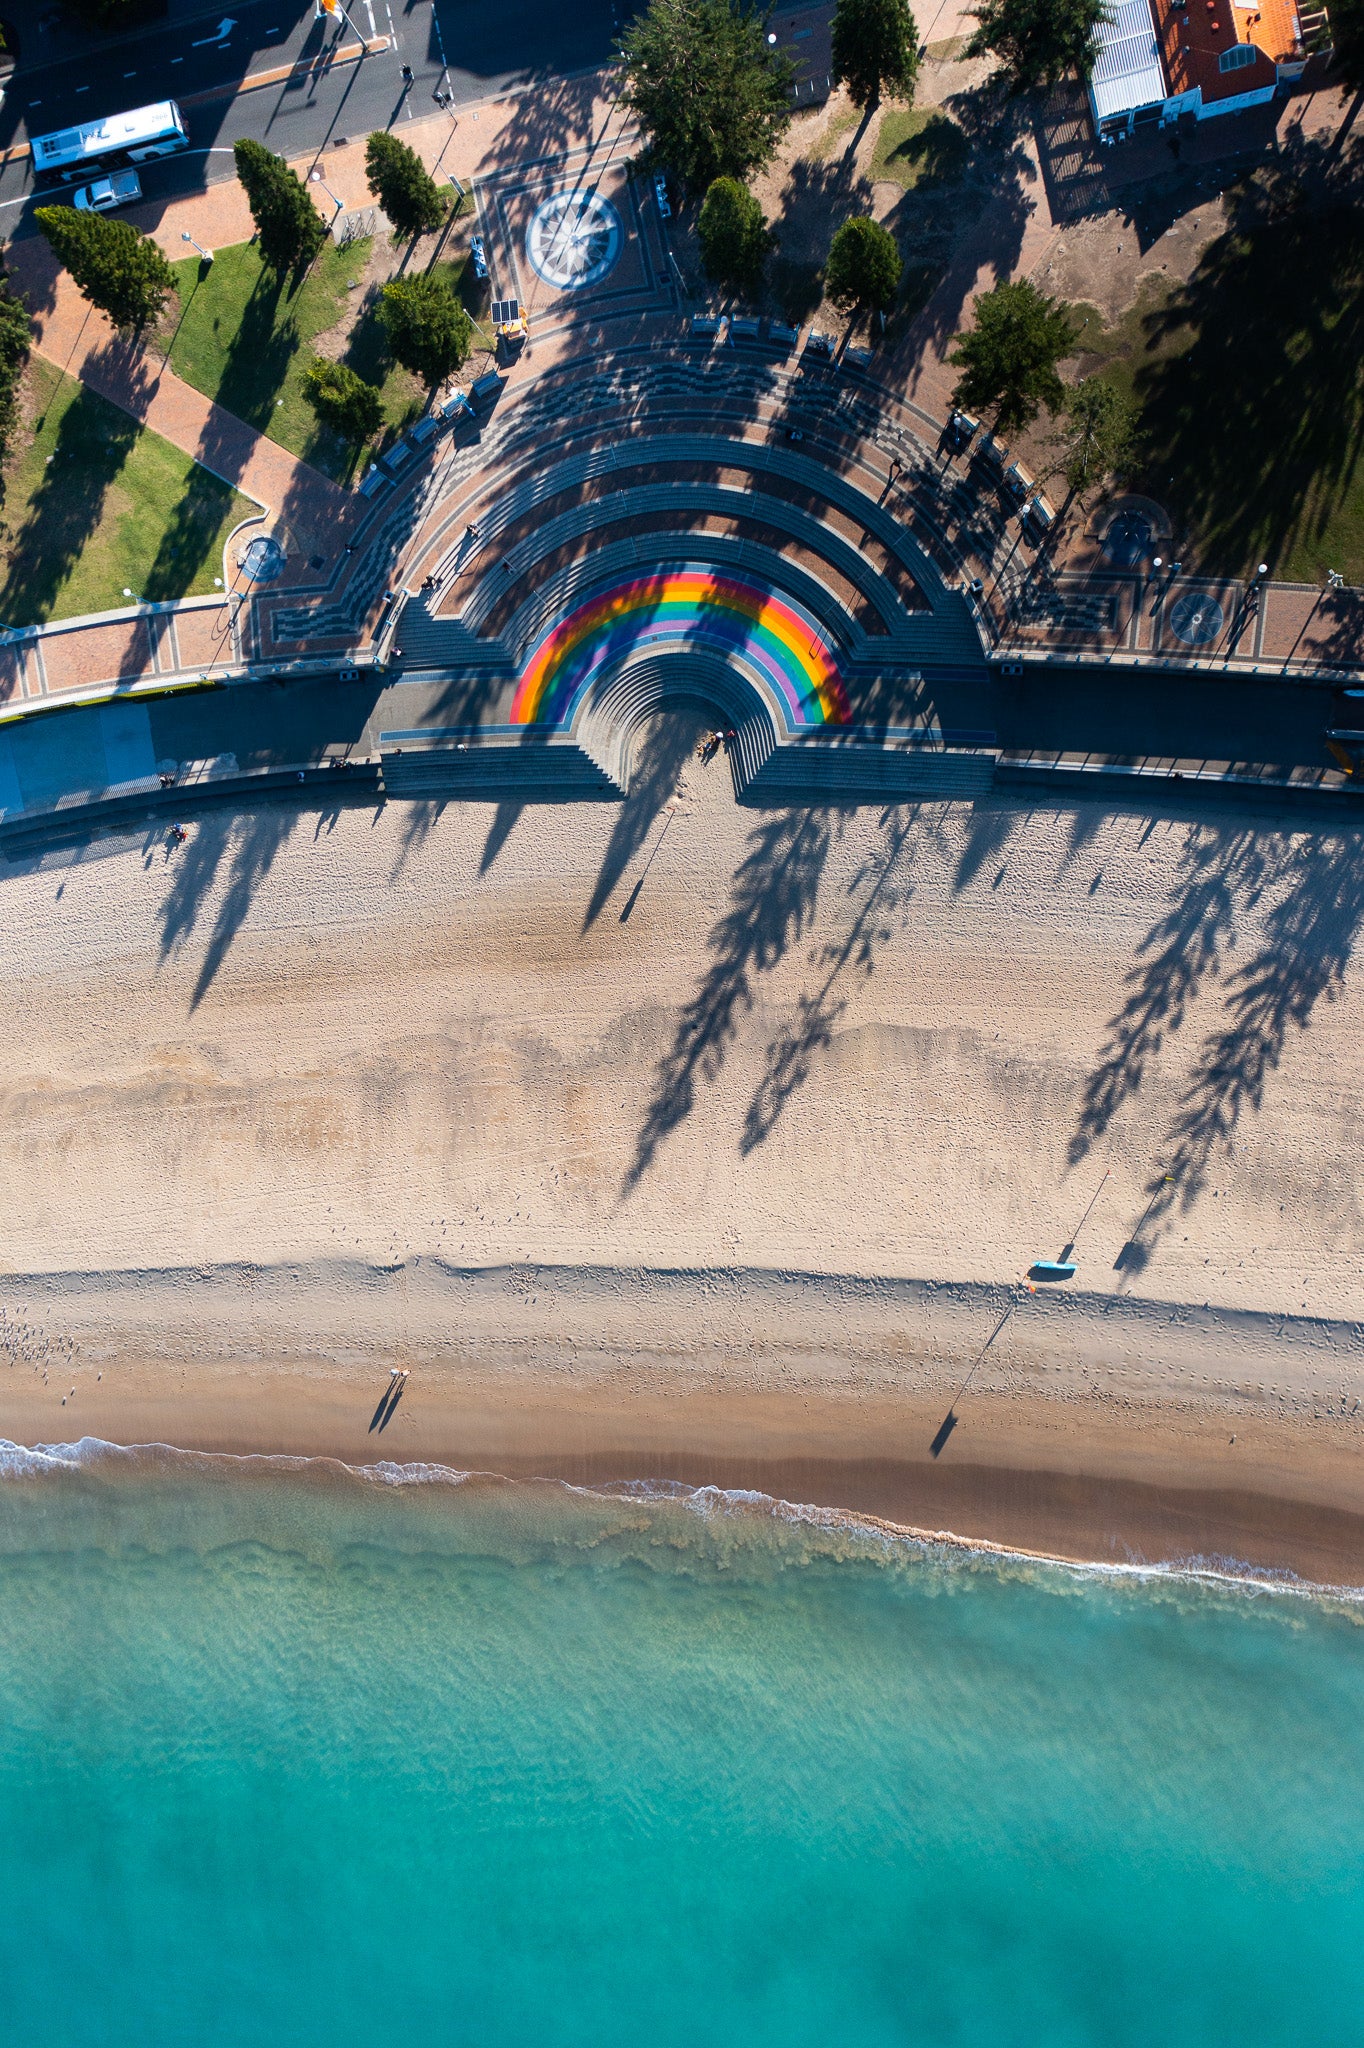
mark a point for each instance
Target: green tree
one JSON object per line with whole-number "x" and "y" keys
{"x": 710, "y": 94}
{"x": 1008, "y": 360}
{"x": 1347, "y": 34}
{"x": 1038, "y": 41}
{"x": 342, "y": 399}
{"x": 16, "y": 334}
{"x": 876, "y": 50}
{"x": 116, "y": 268}
{"x": 734, "y": 235}
{"x": 290, "y": 228}
{"x": 1094, "y": 435}
{"x": 864, "y": 266}
{"x": 402, "y": 185}
{"x": 428, "y": 330}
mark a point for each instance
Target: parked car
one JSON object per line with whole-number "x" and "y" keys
{"x": 665, "y": 211}
{"x": 479, "y": 258}
{"x": 120, "y": 188}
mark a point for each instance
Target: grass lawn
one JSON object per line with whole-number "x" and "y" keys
{"x": 96, "y": 503}
{"x": 246, "y": 341}
{"x": 919, "y": 147}
{"x": 1249, "y": 382}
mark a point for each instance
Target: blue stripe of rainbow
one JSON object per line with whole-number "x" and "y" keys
{"x": 695, "y": 607}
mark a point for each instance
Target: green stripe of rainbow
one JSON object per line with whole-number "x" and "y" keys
{"x": 691, "y": 607}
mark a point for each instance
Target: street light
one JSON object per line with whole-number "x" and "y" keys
{"x": 207, "y": 254}
{"x": 315, "y": 177}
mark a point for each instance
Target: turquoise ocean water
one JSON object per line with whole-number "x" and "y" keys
{"x": 291, "y": 1755}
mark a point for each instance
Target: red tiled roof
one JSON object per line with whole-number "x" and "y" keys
{"x": 1194, "y": 36}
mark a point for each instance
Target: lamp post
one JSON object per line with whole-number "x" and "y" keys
{"x": 206, "y": 255}
{"x": 315, "y": 177}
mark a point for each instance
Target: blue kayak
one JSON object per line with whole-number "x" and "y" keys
{"x": 1051, "y": 1269}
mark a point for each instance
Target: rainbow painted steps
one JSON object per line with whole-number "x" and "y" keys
{"x": 769, "y": 639}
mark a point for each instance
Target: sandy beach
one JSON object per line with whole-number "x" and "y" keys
{"x": 682, "y": 1140}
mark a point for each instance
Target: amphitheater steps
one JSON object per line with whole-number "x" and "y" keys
{"x": 541, "y": 770}
{"x": 438, "y": 644}
{"x": 862, "y": 773}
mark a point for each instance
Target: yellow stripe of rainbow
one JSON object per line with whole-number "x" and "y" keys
{"x": 691, "y": 608}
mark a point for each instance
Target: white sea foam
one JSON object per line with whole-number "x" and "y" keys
{"x": 709, "y": 1503}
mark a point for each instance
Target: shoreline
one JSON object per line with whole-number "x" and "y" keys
{"x": 1095, "y": 1429}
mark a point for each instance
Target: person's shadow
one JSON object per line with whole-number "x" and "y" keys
{"x": 388, "y": 1401}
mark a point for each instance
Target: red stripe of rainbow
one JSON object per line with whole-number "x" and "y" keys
{"x": 694, "y": 607}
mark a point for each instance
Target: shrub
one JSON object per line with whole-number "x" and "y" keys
{"x": 428, "y": 330}
{"x": 734, "y": 235}
{"x": 864, "y": 266}
{"x": 343, "y": 400}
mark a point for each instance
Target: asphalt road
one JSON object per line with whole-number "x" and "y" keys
{"x": 469, "y": 50}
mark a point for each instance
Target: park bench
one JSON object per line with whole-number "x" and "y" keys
{"x": 375, "y": 481}
{"x": 744, "y": 330}
{"x": 424, "y": 430}
{"x": 488, "y": 386}
{"x": 781, "y": 336}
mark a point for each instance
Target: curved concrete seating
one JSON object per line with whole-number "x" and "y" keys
{"x": 643, "y": 508}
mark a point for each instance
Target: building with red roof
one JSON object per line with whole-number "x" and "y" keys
{"x": 1158, "y": 63}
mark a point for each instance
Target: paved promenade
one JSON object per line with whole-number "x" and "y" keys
{"x": 620, "y": 357}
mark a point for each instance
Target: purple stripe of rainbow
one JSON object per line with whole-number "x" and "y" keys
{"x": 700, "y": 609}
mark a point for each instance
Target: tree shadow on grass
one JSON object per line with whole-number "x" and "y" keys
{"x": 1252, "y": 432}
{"x": 94, "y": 441}
{"x": 192, "y": 539}
{"x": 260, "y": 355}
{"x": 775, "y": 891}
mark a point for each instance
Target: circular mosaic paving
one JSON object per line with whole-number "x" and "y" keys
{"x": 574, "y": 240}
{"x": 1195, "y": 619}
{"x": 263, "y": 559}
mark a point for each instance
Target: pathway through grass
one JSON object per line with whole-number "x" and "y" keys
{"x": 97, "y": 504}
{"x": 245, "y": 340}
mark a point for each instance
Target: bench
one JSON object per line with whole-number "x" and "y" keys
{"x": 860, "y": 358}
{"x": 488, "y": 386}
{"x": 1039, "y": 514}
{"x": 744, "y": 330}
{"x": 1018, "y": 483}
{"x": 707, "y": 326}
{"x": 424, "y": 430}
{"x": 819, "y": 344}
{"x": 455, "y": 404}
{"x": 990, "y": 455}
{"x": 374, "y": 481}
{"x": 781, "y": 336}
